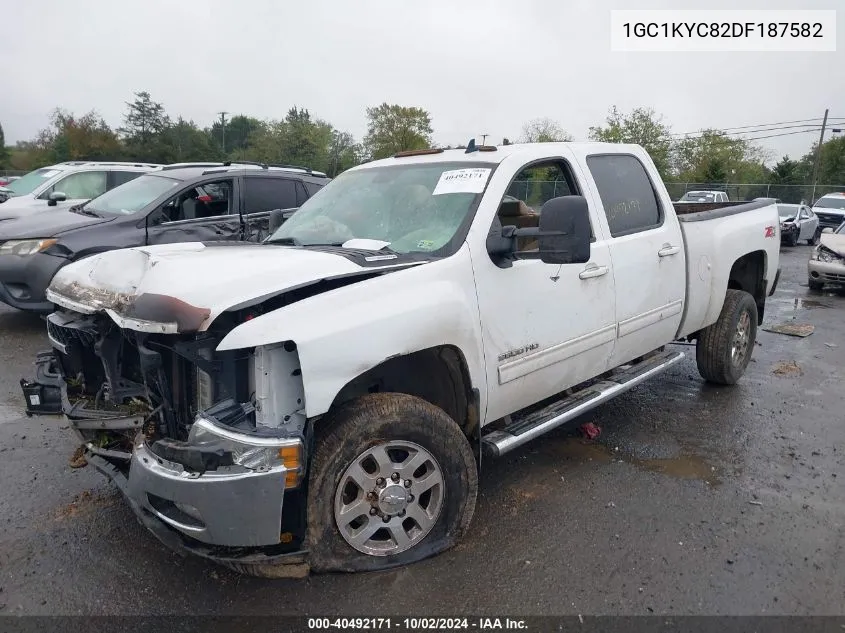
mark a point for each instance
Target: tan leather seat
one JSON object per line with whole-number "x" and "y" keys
{"x": 517, "y": 213}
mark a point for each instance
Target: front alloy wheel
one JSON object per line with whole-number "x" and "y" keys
{"x": 389, "y": 498}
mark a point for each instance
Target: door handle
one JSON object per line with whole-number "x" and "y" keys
{"x": 592, "y": 271}
{"x": 669, "y": 250}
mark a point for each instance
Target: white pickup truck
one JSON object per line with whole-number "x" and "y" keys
{"x": 322, "y": 400}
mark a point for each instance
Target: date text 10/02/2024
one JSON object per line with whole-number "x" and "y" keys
{"x": 417, "y": 624}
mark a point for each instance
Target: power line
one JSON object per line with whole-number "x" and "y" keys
{"x": 816, "y": 121}
{"x": 756, "y": 138}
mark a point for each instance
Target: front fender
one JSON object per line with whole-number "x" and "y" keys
{"x": 343, "y": 333}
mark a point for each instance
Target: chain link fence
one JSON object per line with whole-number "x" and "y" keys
{"x": 535, "y": 192}
{"x": 793, "y": 194}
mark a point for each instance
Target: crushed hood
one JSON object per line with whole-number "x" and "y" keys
{"x": 834, "y": 242}
{"x": 210, "y": 278}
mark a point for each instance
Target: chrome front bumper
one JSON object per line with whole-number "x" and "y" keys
{"x": 231, "y": 506}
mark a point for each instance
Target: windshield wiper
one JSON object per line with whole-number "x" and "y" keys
{"x": 290, "y": 241}
{"x": 81, "y": 210}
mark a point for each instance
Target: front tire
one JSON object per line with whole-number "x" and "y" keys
{"x": 724, "y": 349}
{"x": 393, "y": 481}
{"x": 815, "y": 286}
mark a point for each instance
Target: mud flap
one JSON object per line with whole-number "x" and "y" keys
{"x": 43, "y": 395}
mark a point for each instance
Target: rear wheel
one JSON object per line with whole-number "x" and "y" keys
{"x": 724, "y": 349}
{"x": 393, "y": 481}
{"x": 792, "y": 239}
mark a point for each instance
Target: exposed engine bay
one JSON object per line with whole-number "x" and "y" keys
{"x": 120, "y": 382}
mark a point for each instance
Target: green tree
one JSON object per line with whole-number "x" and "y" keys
{"x": 184, "y": 141}
{"x": 543, "y": 130}
{"x": 343, "y": 153}
{"x": 785, "y": 178}
{"x": 395, "y": 128}
{"x": 712, "y": 151}
{"x": 144, "y": 122}
{"x": 4, "y": 152}
{"x": 306, "y": 142}
{"x": 238, "y": 130}
{"x": 641, "y": 126}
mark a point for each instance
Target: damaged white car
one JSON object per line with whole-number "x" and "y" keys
{"x": 827, "y": 261}
{"x": 322, "y": 400}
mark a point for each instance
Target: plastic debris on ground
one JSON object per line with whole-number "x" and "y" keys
{"x": 590, "y": 431}
{"x": 792, "y": 329}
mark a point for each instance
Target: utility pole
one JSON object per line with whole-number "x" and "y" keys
{"x": 818, "y": 158}
{"x": 223, "y": 128}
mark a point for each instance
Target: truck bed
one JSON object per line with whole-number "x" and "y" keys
{"x": 716, "y": 236}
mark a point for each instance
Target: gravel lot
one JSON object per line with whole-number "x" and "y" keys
{"x": 694, "y": 500}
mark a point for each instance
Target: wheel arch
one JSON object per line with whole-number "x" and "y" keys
{"x": 439, "y": 375}
{"x": 748, "y": 274}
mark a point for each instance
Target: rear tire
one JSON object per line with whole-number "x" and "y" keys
{"x": 359, "y": 519}
{"x": 724, "y": 349}
{"x": 792, "y": 240}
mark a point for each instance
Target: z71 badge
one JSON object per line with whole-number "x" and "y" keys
{"x": 518, "y": 351}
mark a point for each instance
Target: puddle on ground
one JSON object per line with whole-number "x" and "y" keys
{"x": 681, "y": 467}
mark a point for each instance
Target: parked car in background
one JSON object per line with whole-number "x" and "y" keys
{"x": 64, "y": 185}
{"x": 704, "y": 196}
{"x": 831, "y": 210}
{"x": 827, "y": 261}
{"x": 797, "y": 223}
{"x": 173, "y": 204}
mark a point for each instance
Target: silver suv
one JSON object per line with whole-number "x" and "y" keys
{"x": 63, "y": 185}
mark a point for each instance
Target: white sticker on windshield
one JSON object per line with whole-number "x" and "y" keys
{"x": 462, "y": 181}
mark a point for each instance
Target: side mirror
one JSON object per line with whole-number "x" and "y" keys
{"x": 564, "y": 234}
{"x": 827, "y": 230}
{"x": 55, "y": 198}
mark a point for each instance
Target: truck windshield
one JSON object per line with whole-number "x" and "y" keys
{"x": 31, "y": 181}
{"x": 830, "y": 203}
{"x": 132, "y": 196}
{"x": 418, "y": 207}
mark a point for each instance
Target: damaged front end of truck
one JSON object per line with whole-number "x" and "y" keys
{"x": 205, "y": 449}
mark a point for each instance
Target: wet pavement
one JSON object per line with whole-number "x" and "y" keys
{"x": 694, "y": 500}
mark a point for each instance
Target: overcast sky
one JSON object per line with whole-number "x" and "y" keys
{"x": 478, "y": 66}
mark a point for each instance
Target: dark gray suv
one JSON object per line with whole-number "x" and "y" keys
{"x": 178, "y": 203}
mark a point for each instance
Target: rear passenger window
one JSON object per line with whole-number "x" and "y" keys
{"x": 627, "y": 194}
{"x": 266, "y": 194}
{"x": 117, "y": 178}
{"x": 312, "y": 188}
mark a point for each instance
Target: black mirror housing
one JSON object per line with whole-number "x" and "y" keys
{"x": 55, "y": 198}
{"x": 564, "y": 234}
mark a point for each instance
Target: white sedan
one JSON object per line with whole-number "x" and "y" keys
{"x": 798, "y": 222}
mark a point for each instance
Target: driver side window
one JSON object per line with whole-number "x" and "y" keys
{"x": 529, "y": 191}
{"x": 83, "y": 185}
{"x": 208, "y": 200}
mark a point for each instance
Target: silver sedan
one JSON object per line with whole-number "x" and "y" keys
{"x": 827, "y": 261}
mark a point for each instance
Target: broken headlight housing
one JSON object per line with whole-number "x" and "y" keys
{"x": 254, "y": 452}
{"x": 823, "y": 254}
